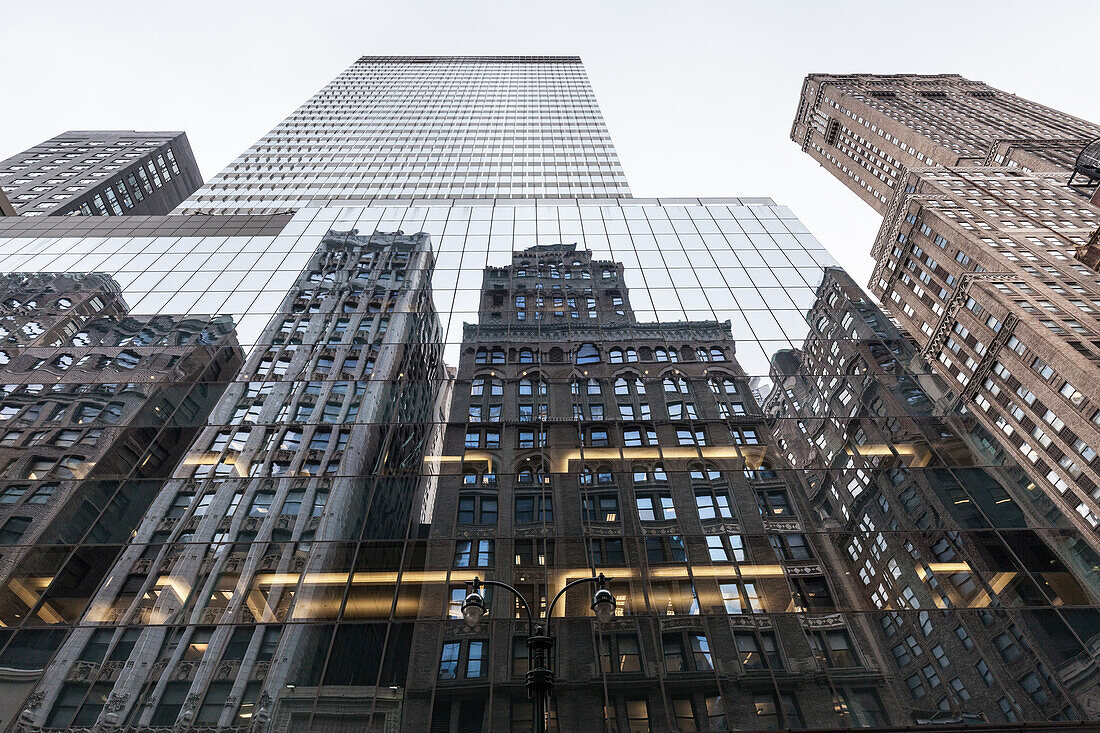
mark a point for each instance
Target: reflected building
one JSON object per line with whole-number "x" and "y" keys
{"x": 101, "y": 173}
{"x": 93, "y": 422}
{"x": 982, "y": 614}
{"x": 517, "y": 371}
{"x": 582, "y": 441}
{"x": 317, "y": 444}
{"x": 986, "y": 254}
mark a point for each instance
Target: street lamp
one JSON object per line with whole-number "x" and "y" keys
{"x": 540, "y": 678}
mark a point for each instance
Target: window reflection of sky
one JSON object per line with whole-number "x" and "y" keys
{"x": 749, "y": 262}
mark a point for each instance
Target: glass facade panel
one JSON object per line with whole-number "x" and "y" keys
{"x": 273, "y": 448}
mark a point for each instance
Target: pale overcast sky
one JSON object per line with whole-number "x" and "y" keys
{"x": 699, "y": 96}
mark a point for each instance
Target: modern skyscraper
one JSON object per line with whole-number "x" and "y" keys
{"x": 101, "y": 173}
{"x": 305, "y": 564}
{"x": 869, "y": 129}
{"x": 419, "y": 127}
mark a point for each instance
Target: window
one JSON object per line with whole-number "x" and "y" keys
{"x": 776, "y": 711}
{"x": 687, "y": 436}
{"x": 686, "y": 652}
{"x": 724, "y": 548}
{"x": 758, "y": 650}
{"x": 605, "y": 552}
{"x": 600, "y": 507}
{"x": 833, "y": 648}
{"x": 713, "y": 503}
{"x": 12, "y": 494}
{"x": 741, "y": 597}
{"x": 597, "y": 437}
{"x": 474, "y": 553}
{"x": 774, "y": 503}
{"x": 531, "y": 438}
{"x": 619, "y": 653}
{"x": 531, "y": 508}
{"x": 664, "y": 549}
{"x": 812, "y": 593}
{"x": 587, "y": 354}
{"x": 859, "y": 708}
{"x": 790, "y": 546}
{"x": 636, "y": 435}
{"x": 477, "y": 508}
{"x": 448, "y": 660}
{"x": 655, "y": 507}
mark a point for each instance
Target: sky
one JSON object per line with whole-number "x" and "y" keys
{"x": 699, "y": 96}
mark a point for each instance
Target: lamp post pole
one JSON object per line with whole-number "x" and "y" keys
{"x": 540, "y": 677}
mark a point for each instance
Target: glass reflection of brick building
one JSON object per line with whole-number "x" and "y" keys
{"x": 316, "y": 445}
{"x": 978, "y": 582}
{"x": 987, "y": 254}
{"x": 97, "y": 409}
{"x": 592, "y": 442}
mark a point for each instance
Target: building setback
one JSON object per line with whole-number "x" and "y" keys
{"x": 101, "y": 173}
{"x": 894, "y": 471}
{"x": 868, "y": 130}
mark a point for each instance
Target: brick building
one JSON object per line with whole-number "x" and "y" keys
{"x": 868, "y": 130}
{"x": 898, "y": 475}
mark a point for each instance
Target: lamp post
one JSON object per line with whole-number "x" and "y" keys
{"x": 540, "y": 678}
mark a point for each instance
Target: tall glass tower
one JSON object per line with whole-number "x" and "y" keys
{"x": 469, "y": 353}
{"x": 429, "y": 127}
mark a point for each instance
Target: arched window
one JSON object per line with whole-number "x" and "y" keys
{"x": 588, "y": 354}
{"x": 597, "y": 475}
{"x": 606, "y": 274}
{"x": 705, "y": 474}
{"x": 675, "y": 385}
{"x": 724, "y": 386}
{"x": 498, "y": 356}
{"x": 660, "y": 354}
{"x": 482, "y": 356}
{"x": 654, "y": 474}
{"x": 526, "y": 356}
{"x": 631, "y": 355}
{"x": 763, "y": 472}
{"x": 615, "y": 356}
{"x": 532, "y": 386}
{"x": 481, "y": 386}
{"x": 474, "y": 475}
{"x": 702, "y": 354}
{"x": 717, "y": 354}
{"x": 532, "y": 473}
